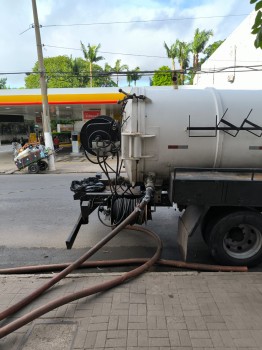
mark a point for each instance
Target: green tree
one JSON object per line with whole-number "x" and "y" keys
{"x": 133, "y": 75}
{"x": 257, "y": 27}
{"x": 91, "y": 57}
{"x": 162, "y": 77}
{"x": 80, "y": 72}
{"x": 210, "y": 49}
{"x": 183, "y": 57}
{"x": 200, "y": 40}
{"x": 58, "y": 71}
{"x": 3, "y": 83}
{"x": 118, "y": 68}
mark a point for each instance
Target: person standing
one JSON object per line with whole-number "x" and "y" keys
{"x": 56, "y": 142}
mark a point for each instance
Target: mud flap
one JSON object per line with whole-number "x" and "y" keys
{"x": 187, "y": 224}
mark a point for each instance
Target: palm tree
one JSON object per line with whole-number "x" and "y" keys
{"x": 118, "y": 69}
{"x": 172, "y": 52}
{"x": 183, "y": 58}
{"x": 198, "y": 45}
{"x": 90, "y": 55}
{"x": 133, "y": 75}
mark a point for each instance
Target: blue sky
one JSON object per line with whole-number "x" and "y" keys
{"x": 130, "y": 42}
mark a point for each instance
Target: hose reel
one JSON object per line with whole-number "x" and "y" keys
{"x": 101, "y": 136}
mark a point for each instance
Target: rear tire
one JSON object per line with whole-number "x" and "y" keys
{"x": 236, "y": 239}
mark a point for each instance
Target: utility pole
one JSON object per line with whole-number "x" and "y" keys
{"x": 45, "y": 116}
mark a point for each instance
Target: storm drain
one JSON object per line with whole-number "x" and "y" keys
{"x": 51, "y": 336}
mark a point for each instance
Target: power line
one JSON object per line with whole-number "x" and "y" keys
{"x": 137, "y": 55}
{"x": 240, "y": 69}
{"x": 142, "y": 21}
{"x": 108, "y": 52}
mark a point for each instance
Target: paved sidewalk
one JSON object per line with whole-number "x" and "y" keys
{"x": 156, "y": 311}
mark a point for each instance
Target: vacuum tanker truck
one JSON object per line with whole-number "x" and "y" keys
{"x": 199, "y": 149}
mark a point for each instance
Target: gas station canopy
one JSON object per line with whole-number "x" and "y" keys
{"x": 63, "y": 103}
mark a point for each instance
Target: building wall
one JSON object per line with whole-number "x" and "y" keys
{"x": 237, "y": 50}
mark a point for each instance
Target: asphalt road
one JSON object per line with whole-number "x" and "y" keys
{"x": 38, "y": 213}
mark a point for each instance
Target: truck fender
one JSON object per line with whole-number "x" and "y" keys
{"x": 188, "y": 222}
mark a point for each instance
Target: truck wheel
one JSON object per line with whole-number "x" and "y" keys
{"x": 236, "y": 239}
{"x": 33, "y": 168}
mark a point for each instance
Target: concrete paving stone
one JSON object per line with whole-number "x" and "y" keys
{"x": 216, "y": 326}
{"x": 119, "y": 312}
{"x": 136, "y": 319}
{"x": 83, "y": 322}
{"x": 132, "y": 338}
{"x": 113, "y": 322}
{"x": 151, "y": 322}
{"x": 226, "y": 338}
{"x": 184, "y": 338}
{"x": 115, "y": 343}
{"x": 90, "y": 340}
{"x": 140, "y": 325}
{"x": 199, "y": 334}
{"x": 158, "y": 333}
{"x": 161, "y": 322}
{"x": 122, "y": 322}
{"x": 174, "y": 338}
{"x": 99, "y": 319}
{"x": 175, "y": 323}
{"x": 80, "y": 339}
{"x": 117, "y": 334}
{"x": 142, "y": 338}
{"x": 142, "y": 348}
{"x": 119, "y": 305}
{"x": 195, "y": 323}
{"x": 121, "y": 297}
{"x": 100, "y": 339}
{"x": 97, "y": 327}
{"x": 137, "y": 298}
{"x": 201, "y": 343}
{"x": 158, "y": 342}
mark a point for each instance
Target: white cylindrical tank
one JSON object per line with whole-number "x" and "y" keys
{"x": 180, "y": 128}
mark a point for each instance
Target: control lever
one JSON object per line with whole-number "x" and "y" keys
{"x": 129, "y": 96}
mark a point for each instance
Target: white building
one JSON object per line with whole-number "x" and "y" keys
{"x": 236, "y": 63}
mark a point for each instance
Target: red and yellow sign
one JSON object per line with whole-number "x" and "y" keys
{"x": 87, "y": 115}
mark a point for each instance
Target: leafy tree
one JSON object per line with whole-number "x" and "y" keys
{"x": 183, "y": 57}
{"x": 210, "y": 49}
{"x": 3, "y": 83}
{"x": 200, "y": 40}
{"x": 118, "y": 68}
{"x": 91, "y": 57}
{"x": 58, "y": 71}
{"x": 80, "y": 71}
{"x": 257, "y": 27}
{"x": 133, "y": 75}
{"x": 162, "y": 77}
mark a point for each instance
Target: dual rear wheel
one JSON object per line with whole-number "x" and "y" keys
{"x": 235, "y": 238}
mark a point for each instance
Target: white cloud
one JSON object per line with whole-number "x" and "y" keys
{"x": 18, "y": 52}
